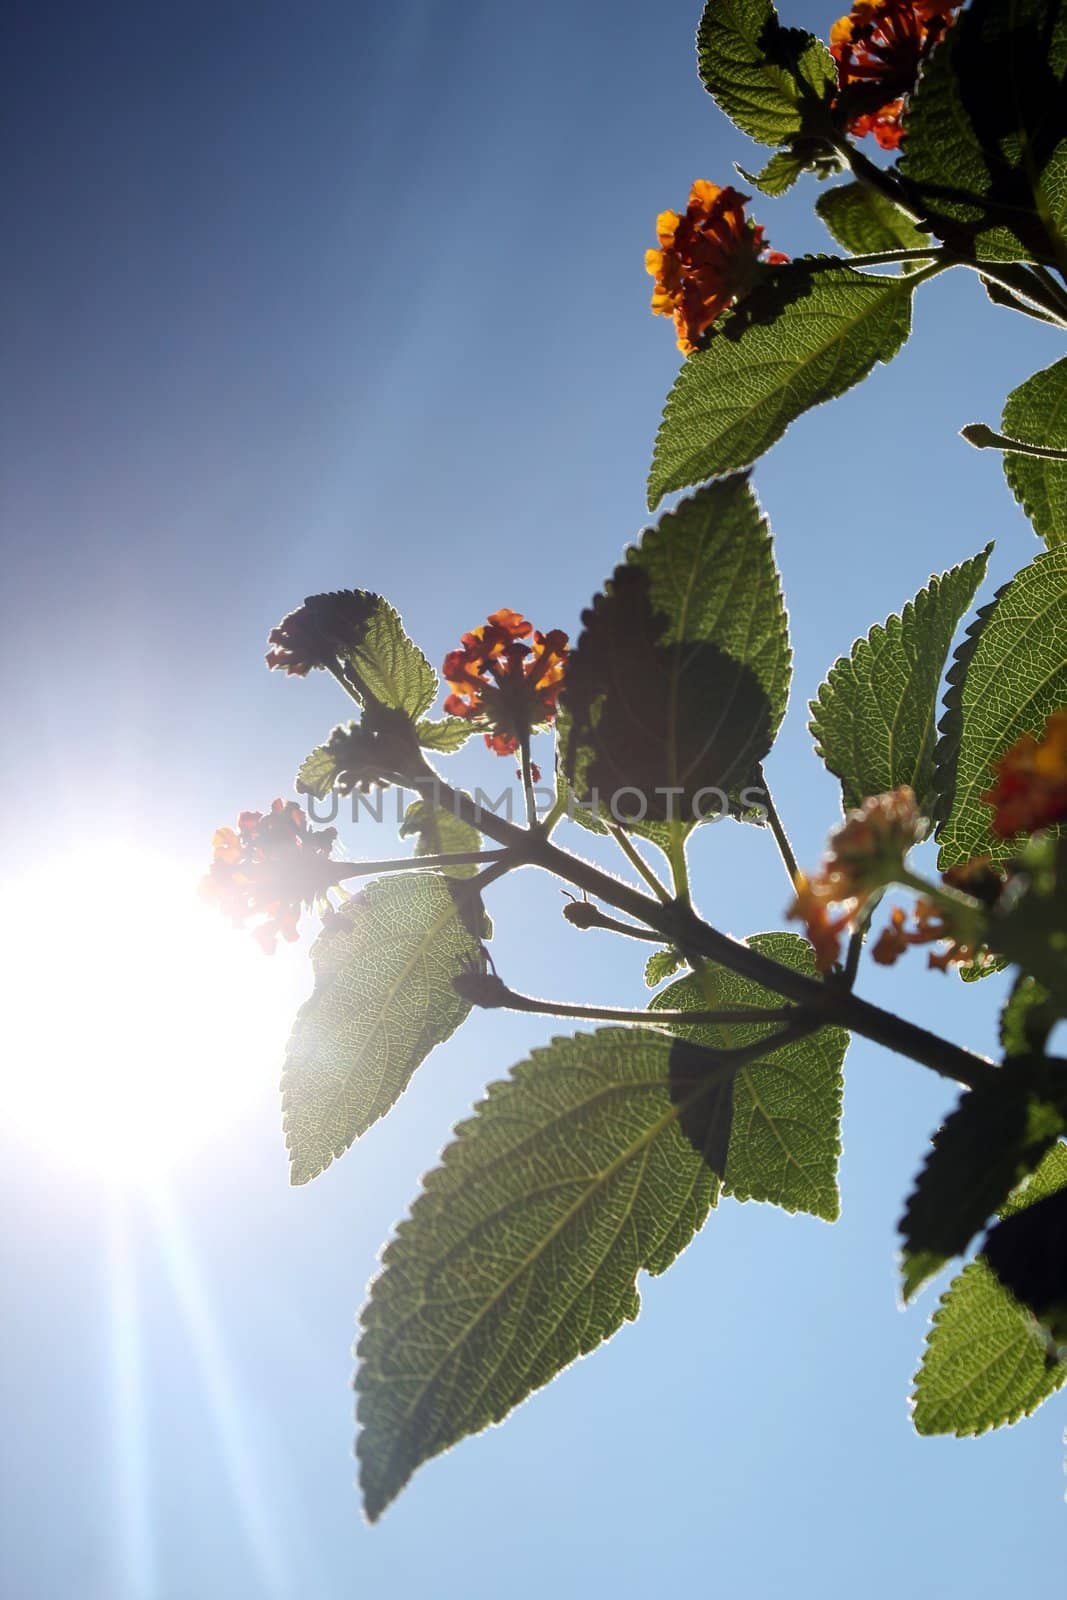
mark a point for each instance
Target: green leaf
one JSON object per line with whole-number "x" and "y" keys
{"x": 785, "y": 1139}
{"x": 1037, "y": 412}
{"x": 383, "y": 998}
{"x": 662, "y": 964}
{"x": 1001, "y": 295}
{"x": 986, "y": 1362}
{"x": 806, "y": 333}
{"x": 360, "y": 755}
{"x": 985, "y": 146}
{"x": 446, "y": 736}
{"x": 523, "y": 1250}
{"x": 866, "y": 222}
{"x": 1014, "y": 675}
{"x": 438, "y": 832}
{"x": 778, "y": 176}
{"x": 679, "y": 681}
{"x": 997, "y": 1135}
{"x": 319, "y": 770}
{"x": 364, "y": 635}
{"x": 1027, "y": 1019}
{"x": 874, "y": 717}
{"x": 773, "y": 82}
{"x": 388, "y": 665}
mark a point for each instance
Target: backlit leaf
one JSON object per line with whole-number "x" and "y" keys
{"x": 383, "y": 998}
{"x": 866, "y": 222}
{"x": 986, "y": 131}
{"x": 1036, "y": 412}
{"x": 773, "y": 82}
{"x": 523, "y": 1250}
{"x": 986, "y": 1361}
{"x": 785, "y": 1138}
{"x": 1015, "y": 675}
{"x": 679, "y": 681}
{"x": 874, "y": 718}
{"x": 806, "y": 333}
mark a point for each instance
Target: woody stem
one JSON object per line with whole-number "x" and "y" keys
{"x": 492, "y": 993}
{"x": 527, "y": 779}
{"x": 455, "y": 858}
{"x": 680, "y": 926}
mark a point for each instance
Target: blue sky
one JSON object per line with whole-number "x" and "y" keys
{"x": 321, "y": 296}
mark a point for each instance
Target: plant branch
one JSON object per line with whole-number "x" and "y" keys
{"x": 492, "y": 993}
{"x": 527, "y": 779}
{"x": 680, "y": 926}
{"x": 456, "y": 858}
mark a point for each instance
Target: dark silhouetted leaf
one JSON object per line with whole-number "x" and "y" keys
{"x": 1028, "y": 1254}
{"x": 874, "y": 717}
{"x": 1037, "y": 412}
{"x": 773, "y": 82}
{"x": 986, "y": 1361}
{"x": 785, "y": 1140}
{"x": 523, "y": 1250}
{"x": 679, "y": 680}
{"x": 986, "y": 131}
{"x": 807, "y": 333}
{"x": 997, "y": 1135}
{"x": 383, "y": 998}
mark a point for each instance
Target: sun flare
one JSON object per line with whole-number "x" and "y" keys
{"x": 138, "y": 1024}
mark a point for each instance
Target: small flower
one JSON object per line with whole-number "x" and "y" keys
{"x": 1030, "y": 792}
{"x": 812, "y": 906}
{"x": 879, "y": 48}
{"x": 498, "y": 678}
{"x": 863, "y": 855}
{"x": 933, "y": 924}
{"x": 269, "y": 869}
{"x": 867, "y": 851}
{"x": 707, "y": 260}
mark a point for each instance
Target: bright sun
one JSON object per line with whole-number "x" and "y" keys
{"x": 137, "y": 1023}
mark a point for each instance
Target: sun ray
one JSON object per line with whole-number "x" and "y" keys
{"x": 257, "y": 1523}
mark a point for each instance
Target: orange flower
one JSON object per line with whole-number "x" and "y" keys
{"x": 864, "y": 854}
{"x": 812, "y": 907}
{"x": 270, "y": 868}
{"x": 1030, "y": 792}
{"x": 879, "y": 48}
{"x": 707, "y": 259}
{"x": 499, "y": 679}
{"x": 933, "y": 925}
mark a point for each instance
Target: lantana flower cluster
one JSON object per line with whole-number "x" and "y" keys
{"x": 268, "y": 869}
{"x": 863, "y": 855}
{"x": 507, "y": 676}
{"x": 707, "y": 259}
{"x": 879, "y": 48}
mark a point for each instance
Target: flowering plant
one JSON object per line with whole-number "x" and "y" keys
{"x": 603, "y": 1153}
